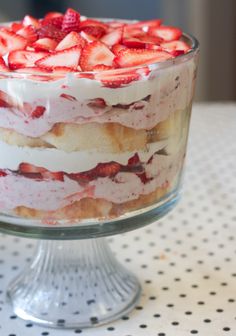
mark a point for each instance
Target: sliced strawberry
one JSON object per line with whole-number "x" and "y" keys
{"x": 145, "y": 25}
{"x": 6, "y": 100}
{"x": 51, "y": 31}
{"x": 151, "y": 46}
{"x": 128, "y": 33}
{"x": 29, "y": 33}
{"x": 15, "y": 26}
{"x": 133, "y": 42}
{"x": 71, "y": 21}
{"x": 95, "y": 53}
{"x": 68, "y": 97}
{"x": 54, "y": 19}
{"x": 149, "y": 39}
{"x": 2, "y": 173}
{"x": 176, "y": 46}
{"x": 87, "y": 37}
{"x": 116, "y": 24}
{"x": 107, "y": 169}
{"x": 134, "y": 160}
{"x": 68, "y": 58}
{"x": 3, "y": 66}
{"x": 27, "y": 168}
{"x": 102, "y": 67}
{"x": 30, "y": 21}
{"x": 117, "y": 48}
{"x": 167, "y": 33}
{"x": 23, "y": 58}
{"x": 56, "y": 176}
{"x": 94, "y": 28}
{"x": 10, "y": 41}
{"x": 38, "y": 112}
{"x": 134, "y": 57}
{"x": 71, "y": 40}
{"x": 45, "y": 44}
{"x": 117, "y": 78}
{"x": 113, "y": 37}
{"x": 63, "y": 69}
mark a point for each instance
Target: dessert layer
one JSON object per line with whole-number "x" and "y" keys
{"x": 32, "y": 108}
{"x": 50, "y": 195}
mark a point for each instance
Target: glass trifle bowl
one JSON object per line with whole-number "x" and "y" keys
{"x": 84, "y": 155}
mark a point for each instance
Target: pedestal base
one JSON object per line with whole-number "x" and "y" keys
{"x": 74, "y": 284}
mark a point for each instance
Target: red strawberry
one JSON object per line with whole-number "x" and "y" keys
{"x": 3, "y": 66}
{"x": 71, "y": 21}
{"x": 167, "y": 33}
{"x": 176, "y": 46}
{"x": 133, "y": 42}
{"x": 38, "y": 112}
{"x": 6, "y": 100}
{"x": 2, "y": 173}
{"x": 68, "y": 97}
{"x": 15, "y": 26}
{"x": 71, "y": 40}
{"x": 44, "y": 44}
{"x": 10, "y": 41}
{"x": 149, "y": 39}
{"x": 144, "y": 25}
{"x": 53, "y": 18}
{"x": 27, "y": 168}
{"x": 134, "y": 160}
{"x": 117, "y": 78}
{"x": 30, "y": 21}
{"x": 117, "y": 48}
{"x": 116, "y": 24}
{"x": 63, "y": 69}
{"x": 107, "y": 169}
{"x": 131, "y": 32}
{"x": 102, "y": 67}
{"x": 68, "y": 58}
{"x": 29, "y": 33}
{"x": 113, "y": 37}
{"x": 23, "y": 58}
{"x": 134, "y": 57}
{"x": 151, "y": 46}
{"x": 94, "y": 28}
{"x": 51, "y": 31}
{"x": 95, "y": 53}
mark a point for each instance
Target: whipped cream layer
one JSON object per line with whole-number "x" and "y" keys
{"x": 170, "y": 89}
{"x": 48, "y": 195}
{"x": 56, "y": 160}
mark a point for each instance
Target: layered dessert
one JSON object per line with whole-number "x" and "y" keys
{"x": 94, "y": 115}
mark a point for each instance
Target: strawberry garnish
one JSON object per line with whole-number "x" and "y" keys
{"x": 94, "y": 28}
{"x": 52, "y": 15}
{"x": 30, "y": 21}
{"x": 15, "y": 26}
{"x": 45, "y": 44}
{"x": 134, "y": 57}
{"x": 10, "y": 41}
{"x": 2, "y": 173}
{"x": 54, "y": 19}
{"x": 117, "y": 48}
{"x": 117, "y": 78}
{"x": 144, "y": 25}
{"x": 71, "y": 21}
{"x": 28, "y": 32}
{"x": 3, "y": 66}
{"x": 102, "y": 67}
{"x": 51, "y": 31}
{"x": 38, "y": 112}
{"x": 95, "y": 53}
{"x": 71, "y": 40}
{"x": 167, "y": 33}
{"x": 87, "y": 37}
{"x": 23, "y": 58}
{"x": 176, "y": 46}
{"x": 113, "y": 37}
{"x": 68, "y": 58}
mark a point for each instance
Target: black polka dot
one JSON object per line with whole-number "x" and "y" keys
{"x": 157, "y": 315}
{"x": 110, "y": 328}
{"x": 207, "y": 320}
{"x": 226, "y": 329}
{"x": 161, "y": 334}
{"x": 78, "y": 331}
{"x": 188, "y": 313}
{"x": 143, "y": 326}
{"x": 45, "y": 333}
{"x": 175, "y": 323}
{"x": 194, "y": 332}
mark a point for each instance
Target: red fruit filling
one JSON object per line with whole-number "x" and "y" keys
{"x": 47, "y": 44}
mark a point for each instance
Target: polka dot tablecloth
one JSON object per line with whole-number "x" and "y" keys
{"x": 186, "y": 262}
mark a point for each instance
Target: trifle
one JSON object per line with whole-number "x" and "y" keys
{"x": 94, "y": 116}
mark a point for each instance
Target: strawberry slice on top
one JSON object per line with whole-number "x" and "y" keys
{"x": 94, "y": 28}
{"x": 71, "y": 40}
{"x": 22, "y": 58}
{"x": 167, "y": 33}
{"x": 68, "y": 59}
{"x": 95, "y": 53}
{"x": 134, "y": 57}
{"x": 11, "y": 41}
{"x": 117, "y": 78}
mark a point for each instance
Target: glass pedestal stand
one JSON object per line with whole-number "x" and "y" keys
{"x": 73, "y": 284}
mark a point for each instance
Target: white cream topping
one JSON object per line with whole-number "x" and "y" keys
{"x": 171, "y": 89}
{"x": 57, "y": 160}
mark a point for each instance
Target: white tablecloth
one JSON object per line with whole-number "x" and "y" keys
{"x": 186, "y": 262}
